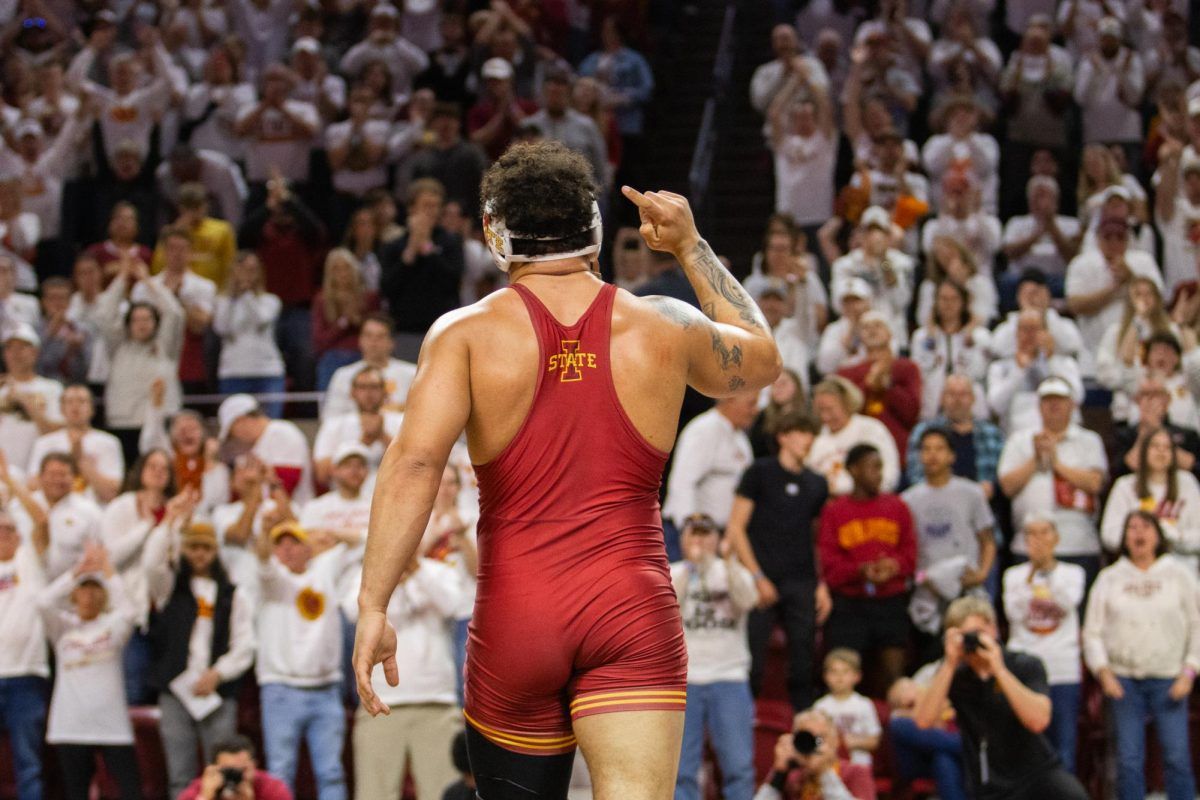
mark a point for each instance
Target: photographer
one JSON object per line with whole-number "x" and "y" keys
{"x": 807, "y": 765}
{"x": 234, "y": 775}
{"x": 1001, "y": 699}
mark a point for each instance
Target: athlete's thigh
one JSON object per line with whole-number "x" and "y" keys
{"x": 631, "y": 755}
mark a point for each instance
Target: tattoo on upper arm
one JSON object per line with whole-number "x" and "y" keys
{"x": 672, "y": 309}
{"x": 725, "y": 285}
{"x": 728, "y": 356}
{"x": 683, "y": 315}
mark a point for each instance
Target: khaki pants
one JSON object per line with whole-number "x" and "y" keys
{"x": 417, "y": 734}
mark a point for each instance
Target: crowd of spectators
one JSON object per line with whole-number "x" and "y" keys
{"x": 986, "y": 224}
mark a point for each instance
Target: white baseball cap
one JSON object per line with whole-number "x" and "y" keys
{"x": 857, "y": 287}
{"x": 232, "y": 409}
{"x": 1054, "y": 386}
{"x": 307, "y": 44}
{"x": 497, "y": 68}
{"x": 876, "y": 216}
{"x": 348, "y": 450}
{"x": 24, "y": 332}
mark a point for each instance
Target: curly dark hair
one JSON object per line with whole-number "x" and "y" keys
{"x": 542, "y": 189}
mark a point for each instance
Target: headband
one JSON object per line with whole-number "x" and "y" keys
{"x": 505, "y": 245}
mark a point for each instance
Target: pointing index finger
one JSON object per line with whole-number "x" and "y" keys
{"x": 637, "y": 198}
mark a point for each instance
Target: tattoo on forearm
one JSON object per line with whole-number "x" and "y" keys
{"x": 725, "y": 285}
{"x": 736, "y": 383}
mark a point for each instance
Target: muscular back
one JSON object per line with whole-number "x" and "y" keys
{"x": 649, "y": 365}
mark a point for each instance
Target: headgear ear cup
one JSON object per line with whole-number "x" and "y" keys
{"x": 500, "y": 240}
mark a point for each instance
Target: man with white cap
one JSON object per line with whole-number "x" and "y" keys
{"x": 1177, "y": 213}
{"x": 1012, "y": 382}
{"x": 384, "y": 43}
{"x": 1058, "y": 468}
{"x": 493, "y": 121}
{"x": 275, "y": 442}
{"x": 29, "y": 403}
{"x": 1108, "y": 88}
{"x": 315, "y": 84}
{"x": 1097, "y": 280}
{"x": 369, "y": 425}
{"x": 887, "y": 271}
{"x": 347, "y": 504}
{"x": 841, "y": 344}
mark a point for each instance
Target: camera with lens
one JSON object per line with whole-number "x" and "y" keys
{"x": 231, "y": 780}
{"x": 806, "y": 742}
{"x": 970, "y": 642}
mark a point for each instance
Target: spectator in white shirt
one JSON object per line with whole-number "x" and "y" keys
{"x": 277, "y": 443}
{"x": 357, "y": 149}
{"x": 1097, "y": 280}
{"x": 369, "y": 425}
{"x": 1079, "y": 22}
{"x": 1106, "y": 191}
{"x": 790, "y": 58}
{"x": 314, "y": 82}
{"x": 837, "y": 403}
{"x": 950, "y": 342}
{"x": 97, "y": 453}
{"x": 890, "y": 180}
{"x": 42, "y": 167}
{"x": 964, "y": 61}
{"x": 887, "y": 271}
{"x": 20, "y": 232}
{"x": 1141, "y": 639}
{"x": 423, "y": 716}
{"x": 951, "y": 260}
{"x": 716, "y": 595}
{"x": 300, "y": 655}
{"x": 841, "y": 345}
{"x": 963, "y": 149}
{"x": 70, "y": 519}
{"x": 216, "y": 172}
{"x": 1059, "y": 468}
{"x": 1043, "y": 239}
{"x": 15, "y": 307}
{"x": 278, "y": 132}
{"x": 1158, "y": 485}
{"x": 203, "y": 641}
{"x": 244, "y": 318}
{"x": 1033, "y": 294}
{"x": 963, "y": 219}
{"x": 710, "y": 456}
{"x": 144, "y": 344}
{"x": 854, "y": 715}
{"x": 376, "y": 344}
{"x": 211, "y": 106}
{"x": 1109, "y": 87}
{"x": 1120, "y": 356}
{"x": 88, "y": 621}
{"x": 384, "y": 43}
{"x": 23, "y": 664}
{"x": 803, "y": 137}
{"x": 1177, "y": 214}
{"x": 1041, "y": 600}
{"x": 29, "y": 404}
{"x": 1013, "y": 382}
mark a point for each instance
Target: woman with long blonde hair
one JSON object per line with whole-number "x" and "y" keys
{"x": 1121, "y": 355}
{"x": 338, "y": 310}
{"x": 244, "y": 318}
{"x": 951, "y": 260}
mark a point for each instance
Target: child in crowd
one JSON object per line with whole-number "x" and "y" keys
{"x": 854, "y": 715}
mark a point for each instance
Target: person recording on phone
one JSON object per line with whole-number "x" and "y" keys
{"x": 1002, "y": 702}
{"x": 807, "y": 765}
{"x": 234, "y": 775}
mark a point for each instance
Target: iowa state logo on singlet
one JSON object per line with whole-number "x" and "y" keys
{"x": 570, "y": 363}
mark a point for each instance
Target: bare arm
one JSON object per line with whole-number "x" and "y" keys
{"x": 436, "y": 413}
{"x": 730, "y": 348}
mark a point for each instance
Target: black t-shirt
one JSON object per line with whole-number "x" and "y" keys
{"x": 458, "y": 791}
{"x": 781, "y": 526}
{"x": 1002, "y": 756}
{"x": 963, "y": 445}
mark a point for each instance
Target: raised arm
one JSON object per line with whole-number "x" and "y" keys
{"x": 730, "y": 348}
{"x": 436, "y": 413}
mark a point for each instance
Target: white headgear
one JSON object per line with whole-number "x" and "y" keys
{"x": 500, "y": 240}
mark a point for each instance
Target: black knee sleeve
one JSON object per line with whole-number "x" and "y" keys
{"x": 504, "y": 775}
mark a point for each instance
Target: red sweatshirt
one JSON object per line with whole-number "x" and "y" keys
{"x": 855, "y": 532}
{"x": 899, "y": 407}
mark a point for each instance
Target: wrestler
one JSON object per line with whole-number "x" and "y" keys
{"x": 569, "y": 391}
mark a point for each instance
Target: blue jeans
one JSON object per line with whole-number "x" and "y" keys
{"x": 259, "y": 385}
{"x": 726, "y": 711}
{"x": 316, "y": 715}
{"x": 1143, "y": 698}
{"x": 293, "y": 334}
{"x": 932, "y": 753}
{"x": 1064, "y": 724}
{"x": 23, "y": 715}
{"x": 136, "y": 663}
{"x": 329, "y": 363}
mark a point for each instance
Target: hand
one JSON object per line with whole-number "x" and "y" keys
{"x": 886, "y": 569}
{"x": 990, "y": 651}
{"x": 973, "y": 577}
{"x": 1120, "y": 271}
{"x": 824, "y": 603}
{"x": 372, "y": 427}
{"x": 1044, "y": 447}
{"x": 374, "y": 643}
{"x": 952, "y": 652}
{"x": 5, "y": 475}
{"x": 211, "y": 782}
{"x": 1110, "y": 685}
{"x": 768, "y": 595}
{"x": 1046, "y": 343}
{"x": 820, "y": 761}
{"x": 207, "y": 683}
{"x": 158, "y": 392}
{"x": 785, "y": 754}
{"x": 667, "y": 223}
{"x": 1182, "y": 687}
